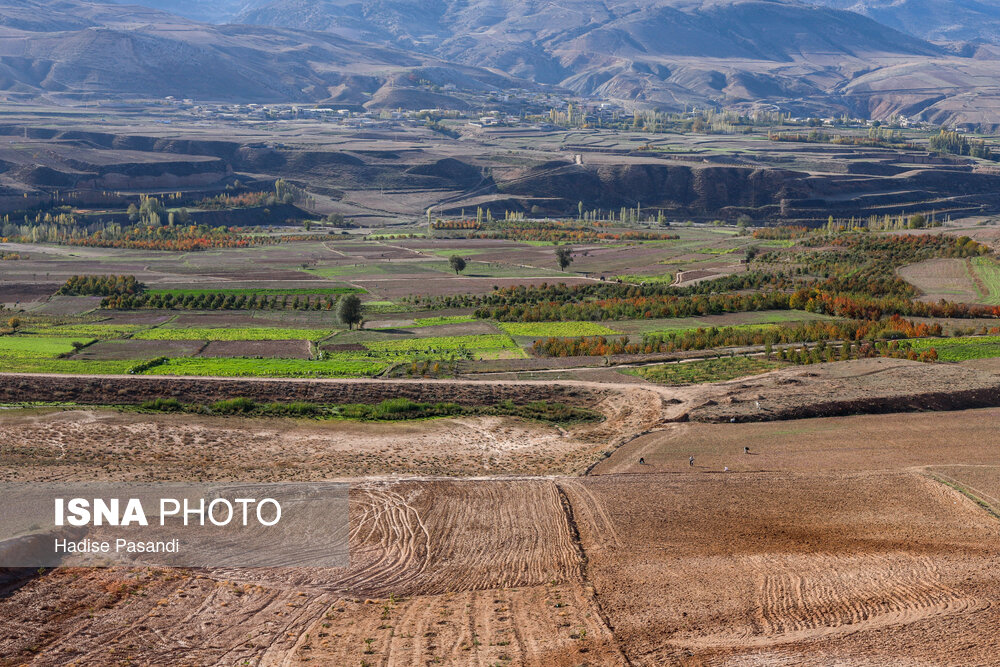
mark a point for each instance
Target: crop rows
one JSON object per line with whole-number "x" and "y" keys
{"x": 234, "y": 333}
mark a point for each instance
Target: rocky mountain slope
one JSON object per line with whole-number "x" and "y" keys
{"x": 77, "y": 49}
{"x": 805, "y": 58}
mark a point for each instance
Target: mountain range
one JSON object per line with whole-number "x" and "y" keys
{"x": 861, "y": 57}
{"x": 82, "y": 50}
{"x": 935, "y": 20}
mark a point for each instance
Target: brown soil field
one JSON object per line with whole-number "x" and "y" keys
{"x": 452, "y": 572}
{"x": 980, "y": 482}
{"x": 396, "y": 287}
{"x": 791, "y": 568}
{"x": 866, "y": 442}
{"x": 845, "y": 388}
{"x": 139, "y": 349}
{"x": 987, "y": 365}
{"x": 67, "y": 305}
{"x": 287, "y": 349}
{"x": 245, "y": 318}
{"x": 851, "y": 540}
{"x": 950, "y": 279}
{"x": 110, "y": 445}
{"x": 143, "y": 317}
{"x": 11, "y": 293}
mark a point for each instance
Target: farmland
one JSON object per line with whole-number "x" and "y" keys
{"x": 545, "y": 443}
{"x": 246, "y": 367}
{"x": 247, "y": 333}
{"x": 18, "y": 348}
{"x": 545, "y": 329}
{"x": 900, "y": 553}
{"x": 962, "y": 349}
{"x": 711, "y": 370}
{"x": 987, "y": 276}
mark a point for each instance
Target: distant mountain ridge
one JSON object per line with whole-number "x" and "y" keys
{"x": 935, "y": 20}
{"x": 802, "y": 57}
{"x": 208, "y": 11}
{"x": 669, "y": 54}
{"x": 80, "y": 49}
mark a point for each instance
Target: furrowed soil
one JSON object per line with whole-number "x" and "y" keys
{"x": 790, "y": 568}
{"x": 453, "y": 572}
{"x": 858, "y": 540}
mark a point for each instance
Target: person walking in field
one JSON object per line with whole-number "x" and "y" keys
{"x": 642, "y": 461}
{"x": 691, "y": 461}
{"x": 746, "y": 450}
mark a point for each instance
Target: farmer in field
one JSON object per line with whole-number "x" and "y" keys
{"x": 691, "y": 461}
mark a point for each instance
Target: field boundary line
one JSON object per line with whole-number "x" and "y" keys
{"x": 588, "y": 587}
{"x": 967, "y": 491}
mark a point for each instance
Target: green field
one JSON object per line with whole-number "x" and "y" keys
{"x": 444, "y": 344}
{"x": 234, "y": 333}
{"x": 87, "y": 330}
{"x": 709, "y": 370}
{"x": 960, "y": 349}
{"x": 36, "y": 347}
{"x": 239, "y": 367}
{"x": 663, "y": 279}
{"x": 988, "y": 272}
{"x": 556, "y": 329}
{"x": 73, "y": 366}
{"x": 448, "y": 319}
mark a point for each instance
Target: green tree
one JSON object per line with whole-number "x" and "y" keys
{"x": 564, "y": 255}
{"x": 349, "y": 310}
{"x": 457, "y": 263}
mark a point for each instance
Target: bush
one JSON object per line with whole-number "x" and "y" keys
{"x": 294, "y": 409}
{"x": 146, "y": 365}
{"x": 163, "y": 405}
{"x": 233, "y": 406}
{"x": 397, "y": 406}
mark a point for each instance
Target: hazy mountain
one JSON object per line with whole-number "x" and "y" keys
{"x": 937, "y": 20}
{"x": 552, "y": 41}
{"x": 665, "y": 52}
{"x": 87, "y": 49}
{"x": 808, "y": 59}
{"x": 208, "y": 11}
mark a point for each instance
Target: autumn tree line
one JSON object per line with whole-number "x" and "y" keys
{"x": 102, "y": 286}
{"x": 220, "y": 301}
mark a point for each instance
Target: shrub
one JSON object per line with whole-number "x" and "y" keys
{"x": 146, "y": 365}
{"x": 232, "y": 406}
{"x": 163, "y": 405}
